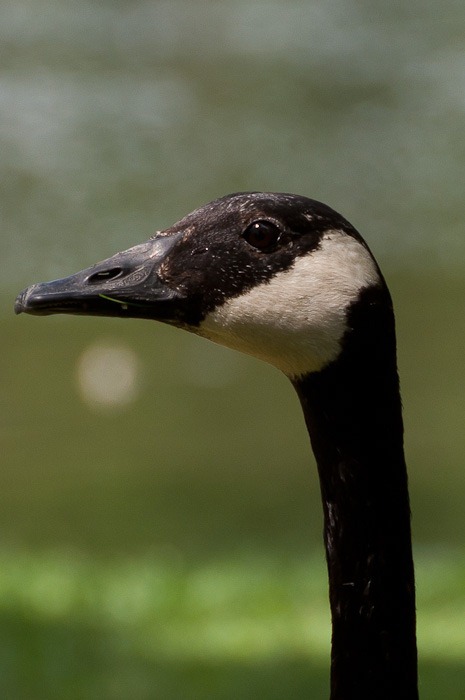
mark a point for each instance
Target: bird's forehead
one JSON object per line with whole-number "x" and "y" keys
{"x": 225, "y": 213}
{"x": 234, "y": 212}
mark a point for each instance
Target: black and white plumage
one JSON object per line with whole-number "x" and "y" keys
{"x": 290, "y": 281}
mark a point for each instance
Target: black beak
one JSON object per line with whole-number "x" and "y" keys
{"x": 128, "y": 284}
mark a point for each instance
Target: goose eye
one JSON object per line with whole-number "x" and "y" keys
{"x": 262, "y": 235}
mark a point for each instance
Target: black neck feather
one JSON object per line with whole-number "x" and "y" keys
{"x": 353, "y": 414}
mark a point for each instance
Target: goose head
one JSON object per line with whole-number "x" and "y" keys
{"x": 271, "y": 275}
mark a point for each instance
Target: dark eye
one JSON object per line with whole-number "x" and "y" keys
{"x": 262, "y": 235}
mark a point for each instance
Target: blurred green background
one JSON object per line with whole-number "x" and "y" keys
{"x": 159, "y": 514}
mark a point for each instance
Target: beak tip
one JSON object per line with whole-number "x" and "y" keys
{"x": 22, "y": 301}
{"x": 20, "y": 305}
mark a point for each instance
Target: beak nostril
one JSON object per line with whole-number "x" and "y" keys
{"x": 104, "y": 275}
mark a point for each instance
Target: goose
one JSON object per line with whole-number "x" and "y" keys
{"x": 290, "y": 281}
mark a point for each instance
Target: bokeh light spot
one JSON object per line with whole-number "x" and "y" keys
{"x": 108, "y": 375}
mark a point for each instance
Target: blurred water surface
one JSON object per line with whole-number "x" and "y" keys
{"x": 130, "y": 447}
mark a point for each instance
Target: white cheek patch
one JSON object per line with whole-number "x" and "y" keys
{"x": 296, "y": 321}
